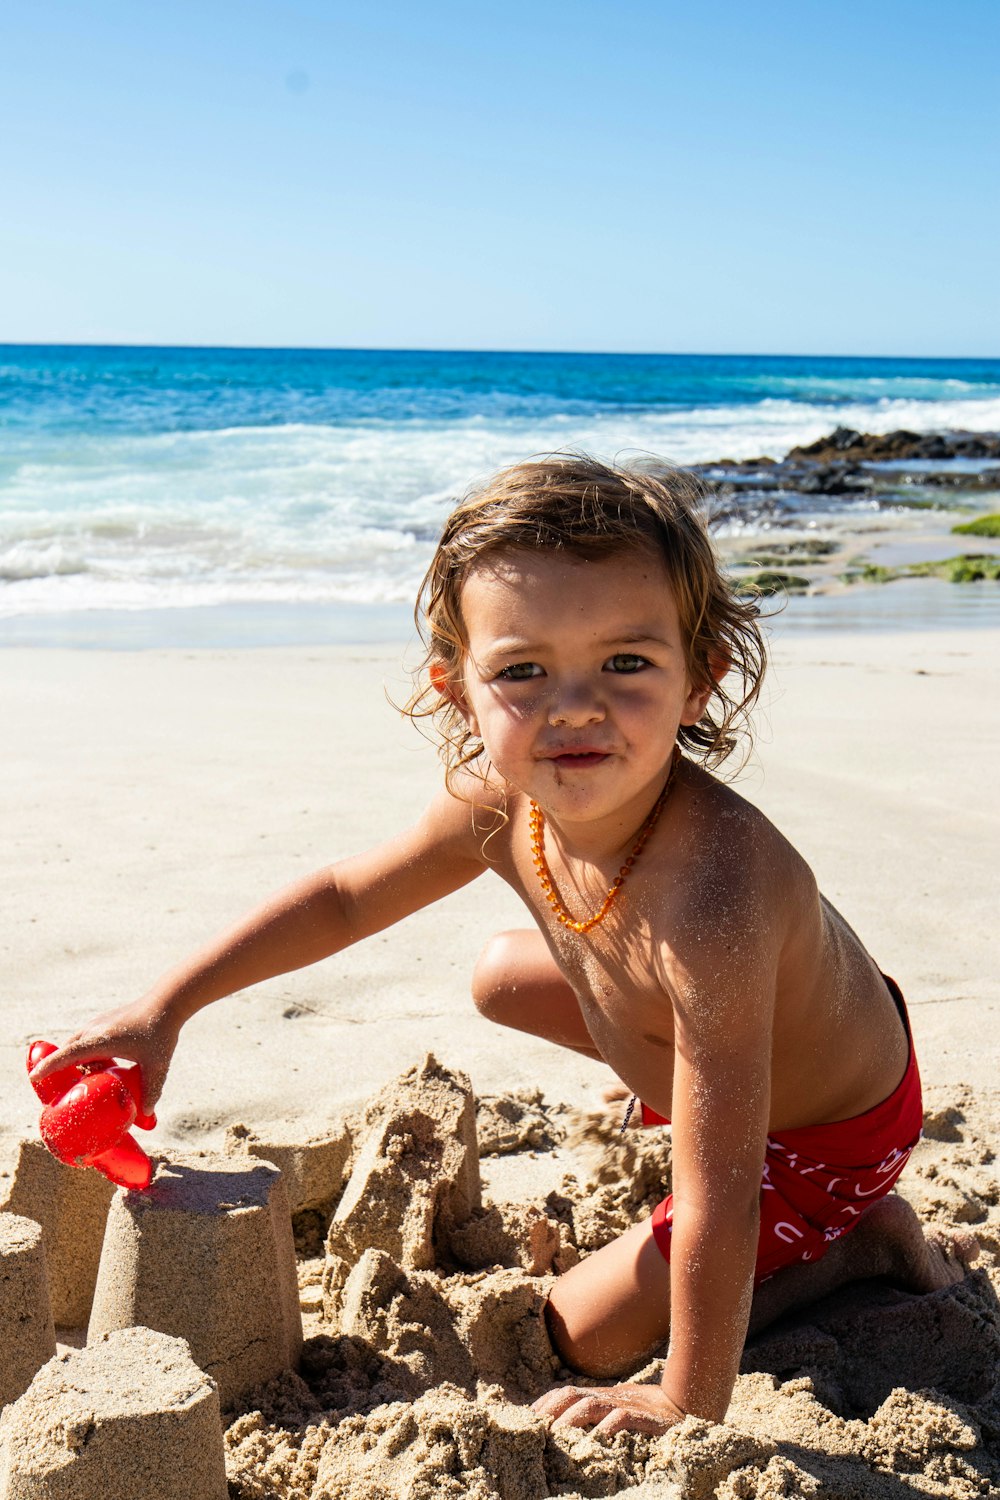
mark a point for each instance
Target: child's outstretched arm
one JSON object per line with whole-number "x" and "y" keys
{"x": 310, "y": 920}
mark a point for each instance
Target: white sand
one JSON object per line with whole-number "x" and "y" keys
{"x": 148, "y": 798}
{"x": 151, "y": 797}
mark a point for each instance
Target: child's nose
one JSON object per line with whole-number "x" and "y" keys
{"x": 575, "y": 704}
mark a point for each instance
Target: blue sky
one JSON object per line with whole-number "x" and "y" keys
{"x": 726, "y": 176}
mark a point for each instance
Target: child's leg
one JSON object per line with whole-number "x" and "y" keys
{"x": 607, "y": 1312}
{"x": 516, "y": 983}
{"x": 888, "y": 1242}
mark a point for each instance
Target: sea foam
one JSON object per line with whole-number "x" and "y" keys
{"x": 128, "y": 484}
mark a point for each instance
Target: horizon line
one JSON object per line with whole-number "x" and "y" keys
{"x": 458, "y": 349}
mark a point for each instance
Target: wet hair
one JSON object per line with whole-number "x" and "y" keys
{"x": 580, "y": 507}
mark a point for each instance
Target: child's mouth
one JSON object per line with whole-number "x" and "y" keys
{"x": 578, "y": 760}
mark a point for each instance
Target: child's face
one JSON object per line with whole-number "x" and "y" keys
{"x": 575, "y": 678}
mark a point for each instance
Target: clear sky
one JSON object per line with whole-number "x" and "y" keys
{"x": 557, "y": 174}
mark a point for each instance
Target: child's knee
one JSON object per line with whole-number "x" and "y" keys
{"x": 493, "y": 984}
{"x": 562, "y": 1339}
{"x": 582, "y": 1345}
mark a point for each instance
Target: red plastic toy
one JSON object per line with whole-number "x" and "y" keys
{"x": 89, "y": 1110}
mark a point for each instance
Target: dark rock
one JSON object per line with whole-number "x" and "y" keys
{"x": 828, "y": 479}
{"x": 936, "y": 447}
{"x": 867, "y": 447}
{"x": 845, "y": 437}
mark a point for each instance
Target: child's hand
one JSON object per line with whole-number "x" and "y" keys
{"x": 140, "y": 1033}
{"x": 611, "y": 1408}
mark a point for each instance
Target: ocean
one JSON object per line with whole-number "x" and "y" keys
{"x": 299, "y": 484}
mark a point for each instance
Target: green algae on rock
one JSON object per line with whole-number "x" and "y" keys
{"x": 981, "y": 526}
{"x": 966, "y": 567}
{"x": 768, "y": 581}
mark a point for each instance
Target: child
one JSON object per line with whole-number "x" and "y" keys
{"x": 580, "y": 636}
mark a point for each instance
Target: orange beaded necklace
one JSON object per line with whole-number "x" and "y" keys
{"x": 536, "y": 828}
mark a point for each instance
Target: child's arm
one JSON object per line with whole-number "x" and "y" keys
{"x": 307, "y": 921}
{"x": 722, "y": 959}
{"x": 721, "y": 1099}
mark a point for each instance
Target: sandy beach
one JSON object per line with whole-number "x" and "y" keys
{"x": 320, "y": 315}
{"x": 151, "y": 796}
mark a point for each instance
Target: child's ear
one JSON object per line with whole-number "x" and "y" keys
{"x": 697, "y": 702}
{"x": 719, "y": 663}
{"x": 447, "y": 685}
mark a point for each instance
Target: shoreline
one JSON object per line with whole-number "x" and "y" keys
{"x": 904, "y": 604}
{"x": 851, "y": 511}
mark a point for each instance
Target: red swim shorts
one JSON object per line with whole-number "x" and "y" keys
{"x": 818, "y": 1180}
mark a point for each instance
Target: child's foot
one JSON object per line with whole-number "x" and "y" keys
{"x": 890, "y": 1240}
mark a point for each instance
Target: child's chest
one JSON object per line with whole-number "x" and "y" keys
{"x": 624, "y": 1000}
{"x": 621, "y": 970}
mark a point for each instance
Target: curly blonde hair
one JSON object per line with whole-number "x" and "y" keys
{"x": 577, "y": 505}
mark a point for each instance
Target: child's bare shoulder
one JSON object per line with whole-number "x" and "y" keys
{"x": 472, "y": 812}
{"x": 737, "y": 867}
{"x": 727, "y": 827}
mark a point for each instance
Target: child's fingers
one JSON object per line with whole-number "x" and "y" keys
{"x": 573, "y": 1406}
{"x": 624, "y": 1419}
{"x": 153, "y": 1080}
{"x": 98, "y": 1045}
{"x": 101, "y": 1048}
{"x": 610, "y": 1409}
{"x": 73, "y": 1051}
{"x": 557, "y": 1403}
{"x": 587, "y": 1411}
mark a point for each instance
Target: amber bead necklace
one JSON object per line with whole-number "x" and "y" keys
{"x": 536, "y": 827}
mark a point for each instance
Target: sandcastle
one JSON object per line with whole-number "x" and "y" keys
{"x": 428, "y": 1340}
{"x": 130, "y": 1416}
{"x": 27, "y": 1337}
{"x": 312, "y": 1168}
{"x": 416, "y": 1175}
{"x": 431, "y": 1343}
{"x": 206, "y": 1253}
{"x": 72, "y": 1208}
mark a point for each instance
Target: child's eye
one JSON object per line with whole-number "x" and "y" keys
{"x": 627, "y": 661}
{"x": 520, "y": 671}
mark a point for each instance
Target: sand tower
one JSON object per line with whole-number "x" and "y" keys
{"x": 129, "y": 1416}
{"x": 206, "y": 1254}
{"x": 416, "y": 1175}
{"x": 72, "y": 1207}
{"x": 27, "y": 1337}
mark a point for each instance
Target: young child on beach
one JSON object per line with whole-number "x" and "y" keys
{"x": 588, "y": 665}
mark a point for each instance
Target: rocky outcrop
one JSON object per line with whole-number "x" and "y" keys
{"x": 875, "y": 448}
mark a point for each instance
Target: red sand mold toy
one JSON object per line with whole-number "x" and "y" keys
{"x": 89, "y": 1109}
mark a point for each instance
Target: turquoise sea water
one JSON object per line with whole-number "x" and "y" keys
{"x": 279, "y": 483}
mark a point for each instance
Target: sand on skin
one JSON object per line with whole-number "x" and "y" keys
{"x": 879, "y": 756}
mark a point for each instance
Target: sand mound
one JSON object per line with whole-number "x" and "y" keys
{"x": 72, "y": 1208}
{"x": 130, "y": 1416}
{"x": 429, "y": 1342}
{"x": 312, "y": 1168}
{"x": 206, "y": 1254}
